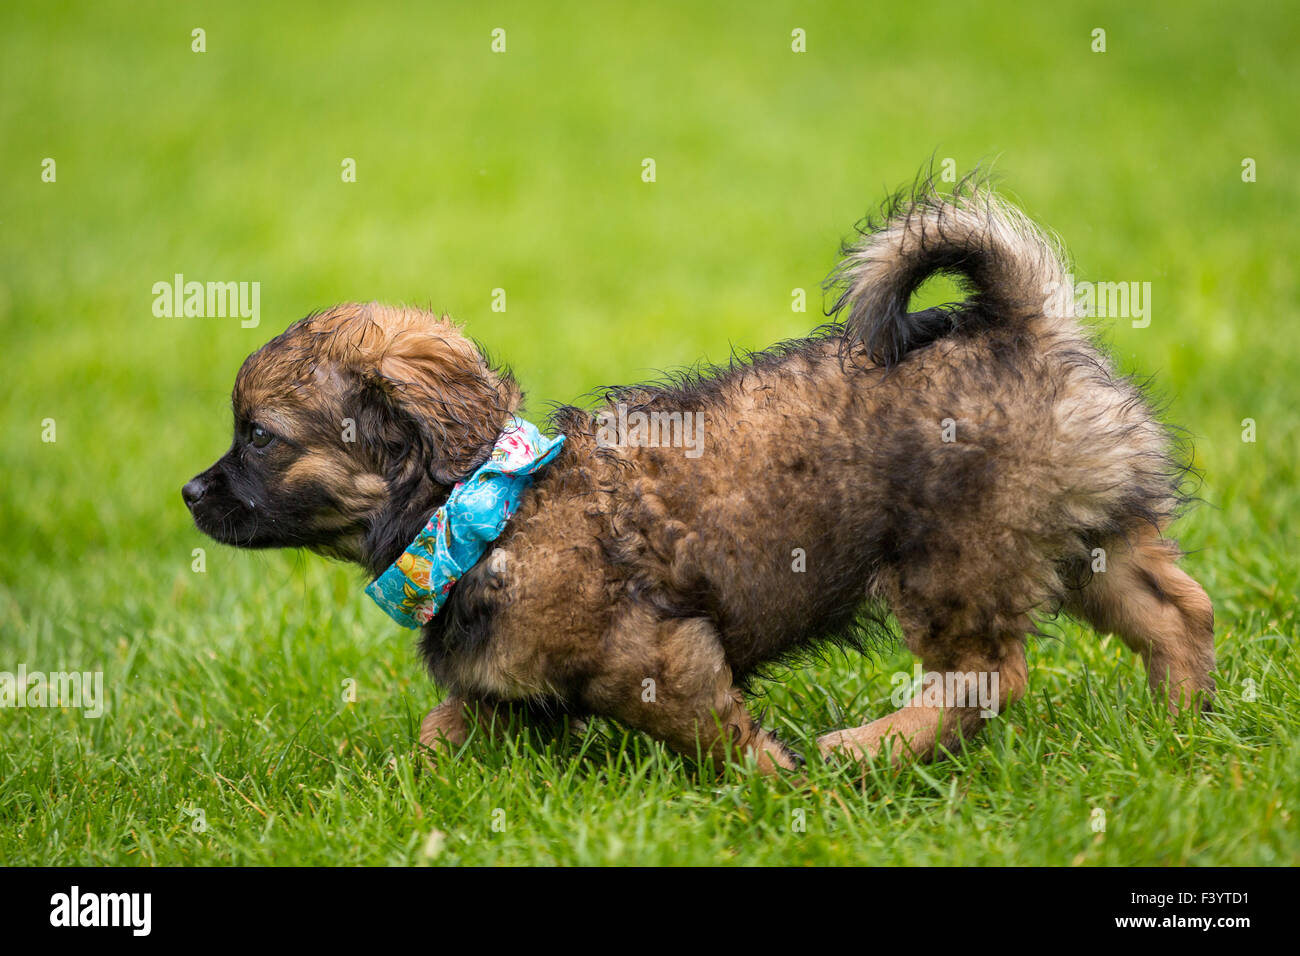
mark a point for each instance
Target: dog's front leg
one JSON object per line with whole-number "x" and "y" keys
{"x": 449, "y": 723}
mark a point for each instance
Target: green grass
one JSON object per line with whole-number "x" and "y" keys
{"x": 522, "y": 171}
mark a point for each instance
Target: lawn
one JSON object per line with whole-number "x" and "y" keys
{"x": 228, "y": 735}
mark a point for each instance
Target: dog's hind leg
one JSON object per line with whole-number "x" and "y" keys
{"x": 1158, "y": 610}
{"x": 670, "y": 679}
{"x": 959, "y": 691}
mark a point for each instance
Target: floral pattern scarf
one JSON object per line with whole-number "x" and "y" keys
{"x": 414, "y": 587}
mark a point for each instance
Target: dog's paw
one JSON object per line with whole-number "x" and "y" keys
{"x": 445, "y": 726}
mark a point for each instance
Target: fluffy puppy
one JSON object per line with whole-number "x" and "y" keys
{"x": 965, "y": 469}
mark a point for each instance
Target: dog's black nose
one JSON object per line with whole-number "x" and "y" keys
{"x": 193, "y": 491}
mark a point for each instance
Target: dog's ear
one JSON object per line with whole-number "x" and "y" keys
{"x": 429, "y": 400}
{"x": 445, "y": 403}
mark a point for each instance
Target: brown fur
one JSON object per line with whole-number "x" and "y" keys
{"x": 648, "y": 585}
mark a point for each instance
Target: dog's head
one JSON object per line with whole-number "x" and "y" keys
{"x": 350, "y": 429}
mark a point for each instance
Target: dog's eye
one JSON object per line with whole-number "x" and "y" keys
{"x": 259, "y": 437}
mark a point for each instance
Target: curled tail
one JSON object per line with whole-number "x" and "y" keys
{"x": 1013, "y": 271}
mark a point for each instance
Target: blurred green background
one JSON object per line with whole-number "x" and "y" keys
{"x": 522, "y": 170}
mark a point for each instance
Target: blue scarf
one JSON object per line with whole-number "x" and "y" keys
{"x": 415, "y": 586}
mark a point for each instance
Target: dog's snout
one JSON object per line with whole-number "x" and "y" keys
{"x": 193, "y": 490}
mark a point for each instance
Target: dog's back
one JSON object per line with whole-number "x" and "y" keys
{"x": 964, "y": 468}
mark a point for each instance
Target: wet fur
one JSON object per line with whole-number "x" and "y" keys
{"x": 632, "y": 564}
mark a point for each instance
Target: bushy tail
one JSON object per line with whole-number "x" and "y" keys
{"x": 1013, "y": 271}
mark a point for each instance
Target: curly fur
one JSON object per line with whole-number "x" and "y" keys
{"x": 960, "y": 468}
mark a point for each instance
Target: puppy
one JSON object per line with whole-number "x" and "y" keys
{"x": 965, "y": 469}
